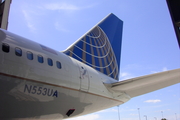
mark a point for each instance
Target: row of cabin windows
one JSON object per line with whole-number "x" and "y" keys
{"x": 18, "y": 52}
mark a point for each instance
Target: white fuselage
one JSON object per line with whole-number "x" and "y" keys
{"x": 36, "y": 90}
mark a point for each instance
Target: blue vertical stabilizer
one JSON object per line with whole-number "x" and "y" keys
{"x": 100, "y": 48}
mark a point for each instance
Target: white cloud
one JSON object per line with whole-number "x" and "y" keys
{"x": 109, "y": 110}
{"x": 31, "y": 16}
{"x": 133, "y": 114}
{"x": 132, "y": 109}
{"x": 65, "y": 6}
{"x": 134, "y": 67}
{"x": 61, "y": 6}
{"x": 153, "y": 101}
{"x": 35, "y": 14}
{"x": 28, "y": 20}
{"x": 60, "y": 27}
{"x": 114, "y": 110}
{"x": 154, "y": 71}
{"x": 125, "y": 75}
{"x": 86, "y": 117}
{"x": 163, "y": 69}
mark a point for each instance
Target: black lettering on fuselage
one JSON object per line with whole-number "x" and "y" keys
{"x": 27, "y": 88}
{"x": 40, "y": 90}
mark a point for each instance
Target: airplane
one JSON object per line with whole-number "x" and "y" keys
{"x": 38, "y": 82}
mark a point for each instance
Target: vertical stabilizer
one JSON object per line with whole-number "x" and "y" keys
{"x": 100, "y": 48}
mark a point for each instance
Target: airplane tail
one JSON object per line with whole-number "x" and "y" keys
{"x": 100, "y": 48}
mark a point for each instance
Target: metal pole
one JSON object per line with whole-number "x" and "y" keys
{"x": 145, "y": 116}
{"x": 118, "y": 112}
{"x": 176, "y": 116}
{"x": 139, "y": 113}
{"x": 162, "y": 114}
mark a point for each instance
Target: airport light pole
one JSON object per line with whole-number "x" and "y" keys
{"x": 145, "y": 116}
{"x": 139, "y": 113}
{"x": 118, "y": 112}
{"x": 176, "y": 116}
{"x": 162, "y": 114}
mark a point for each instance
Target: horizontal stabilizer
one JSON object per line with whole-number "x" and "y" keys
{"x": 148, "y": 83}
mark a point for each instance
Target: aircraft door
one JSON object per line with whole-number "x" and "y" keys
{"x": 84, "y": 78}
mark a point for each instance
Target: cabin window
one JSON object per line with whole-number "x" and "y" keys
{"x": 50, "y": 62}
{"x": 40, "y": 59}
{"x": 5, "y": 47}
{"x": 58, "y": 64}
{"x": 18, "y": 51}
{"x": 29, "y": 55}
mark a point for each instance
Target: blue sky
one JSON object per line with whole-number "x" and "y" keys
{"x": 149, "y": 44}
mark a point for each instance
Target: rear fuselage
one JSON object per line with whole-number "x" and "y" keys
{"x": 37, "y": 82}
